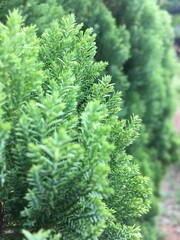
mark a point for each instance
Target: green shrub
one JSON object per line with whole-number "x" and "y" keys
{"x": 135, "y": 37}
{"x": 151, "y": 95}
{"x": 64, "y": 166}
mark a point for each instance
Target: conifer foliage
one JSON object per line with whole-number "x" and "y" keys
{"x": 63, "y": 164}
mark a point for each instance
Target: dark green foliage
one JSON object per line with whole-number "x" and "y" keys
{"x": 42, "y": 13}
{"x": 39, "y": 12}
{"x": 6, "y": 5}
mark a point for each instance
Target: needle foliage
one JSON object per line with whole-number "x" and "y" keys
{"x": 63, "y": 164}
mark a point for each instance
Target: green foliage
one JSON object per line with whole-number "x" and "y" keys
{"x": 6, "y": 5}
{"x": 112, "y": 41}
{"x": 151, "y": 95}
{"x": 135, "y": 38}
{"x": 42, "y": 13}
{"x": 45, "y": 235}
{"x": 64, "y": 164}
{"x": 4, "y": 134}
{"x": 18, "y": 51}
{"x": 119, "y": 231}
{"x": 150, "y": 70}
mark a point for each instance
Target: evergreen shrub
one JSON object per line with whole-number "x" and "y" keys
{"x": 63, "y": 162}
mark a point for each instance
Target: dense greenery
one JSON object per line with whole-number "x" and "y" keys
{"x": 135, "y": 38}
{"x": 63, "y": 162}
{"x": 173, "y": 7}
{"x": 150, "y": 70}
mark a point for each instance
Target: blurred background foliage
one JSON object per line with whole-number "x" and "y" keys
{"x": 135, "y": 37}
{"x": 173, "y": 7}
